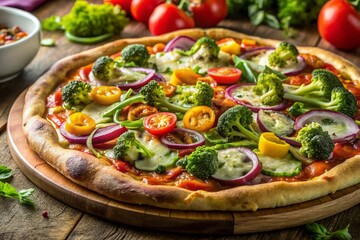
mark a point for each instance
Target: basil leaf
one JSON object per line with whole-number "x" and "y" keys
{"x": 258, "y": 17}
{"x": 5, "y": 173}
{"x": 247, "y": 73}
{"x": 272, "y": 21}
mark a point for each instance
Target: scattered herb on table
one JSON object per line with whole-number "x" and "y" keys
{"x": 319, "y": 232}
{"x": 8, "y": 191}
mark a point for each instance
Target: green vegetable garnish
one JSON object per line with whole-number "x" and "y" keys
{"x": 319, "y": 232}
{"x": 88, "y": 23}
{"x": 8, "y": 191}
{"x": 5, "y": 173}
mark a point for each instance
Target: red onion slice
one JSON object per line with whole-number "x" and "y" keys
{"x": 200, "y": 139}
{"x": 230, "y": 94}
{"x": 138, "y": 84}
{"x": 255, "y": 51}
{"x": 180, "y": 42}
{"x": 102, "y": 135}
{"x": 340, "y": 127}
{"x": 276, "y": 122}
{"x": 248, "y": 177}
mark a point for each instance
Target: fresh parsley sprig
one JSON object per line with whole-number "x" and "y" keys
{"x": 8, "y": 191}
{"x": 319, "y": 232}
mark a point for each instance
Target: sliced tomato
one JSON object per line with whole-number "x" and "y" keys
{"x": 225, "y": 75}
{"x": 84, "y": 72}
{"x": 195, "y": 185}
{"x": 160, "y": 123}
{"x": 54, "y": 100}
{"x": 300, "y": 79}
{"x": 331, "y": 68}
{"x": 57, "y": 119}
{"x": 122, "y": 166}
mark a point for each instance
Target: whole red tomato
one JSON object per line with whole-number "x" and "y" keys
{"x": 142, "y": 9}
{"x": 167, "y": 18}
{"x": 124, "y": 4}
{"x": 339, "y": 24}
{"x": 208, "y": 13}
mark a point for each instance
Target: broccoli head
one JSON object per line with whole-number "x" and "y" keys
{"x": 76, "y": 95}
{"x": 200, "y": 94}
{"x": 91, "y": 20}
{"x": 135, "y": 54}
{"x": 236, "y": 123}
{"x": 103, "y": 68}
{"x": 128, "y": 148}
{"x": 153, "y": 94}
{"x": 341, "y": 100}
{"x": 270, "y": 89}
{"x": 283, "y": 54}
{"x": 322, "y": 83}
{"x": 315, "y": 142}
{"x": 202, "y": 163}
{"x": 297, "y": 109}
{"x": 205, "y": 48}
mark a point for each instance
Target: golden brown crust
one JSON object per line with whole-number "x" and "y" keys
{"x": 89, "y": 172}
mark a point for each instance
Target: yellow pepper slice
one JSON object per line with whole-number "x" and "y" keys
{"x": 80, "y": 124}
{"x": 106, "y": 95}
{"x": 249, "y": 42}
{"x": 271, "y": 145}
{"x": 230, "y": 46}
{"x": 184, "y": 76}
{"x": 199, "y": 118}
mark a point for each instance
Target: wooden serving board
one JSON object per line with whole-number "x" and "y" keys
{"x": 207, "y": 222}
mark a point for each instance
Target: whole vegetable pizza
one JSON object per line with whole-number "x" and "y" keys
{"x": 200, "y": 120}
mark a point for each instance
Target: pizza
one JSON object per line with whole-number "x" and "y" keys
{"x": 200, "y": 120}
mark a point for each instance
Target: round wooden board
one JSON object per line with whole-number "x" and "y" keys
{"x": 208, "y": 222}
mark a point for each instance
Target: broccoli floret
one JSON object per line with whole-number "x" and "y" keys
{"x": 200, "y": 94}
{"x": 90, "y": 20}
{"x": 270, "y": 89}
{"x": 315, "y": 142}
{"x": 322, "y": 83}
{"x": 76, "y": 95}
{"x": 103, "y": 68}
{"x": 236, "y": 122}
{"x": 210, "y": 49}
{"x": 283, "y": 54}
{"x": 202, "y": 163}
{"x": 341, "y": 101}
{"x": 135, "y": 54}
{"x": 297, "y": 109}
{"x": 128, "y": 148}
{"x": 152, "y": 94}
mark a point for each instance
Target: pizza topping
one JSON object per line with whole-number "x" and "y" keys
{"x": 138, "y": 111}
{"x": 271, "y": 145}
{"x": 182, "y": 138}
{"x": 225, "y": 75}
{"x": 276, "y": 122}
{"x": 184, "y": 76}
{"x": 244, "y": 94}
{"x": 105, "y": 95}
{"x": 180, "y": 42}
{"x": 160, "y": 123}
{"x": 284, "y": 166}
{"x": 135, "y": 55}
{"x": 79, "y": 124}
{"x": 315, "y": 142}
{"x": 102, "y": 135}
{"x": 230, "y": 46}
{"x": 237, "y": 166}
{"x": 76, "y": 95}
{"x": 199, "y": 118}
{"x": 340, "y": 127}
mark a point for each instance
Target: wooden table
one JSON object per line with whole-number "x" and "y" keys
{"x": 20, "y": 222}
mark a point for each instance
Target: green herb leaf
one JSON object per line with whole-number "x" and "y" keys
{"x": 5, "y": 173}
{"x": 272, "y": 21}
{"x": 8, "y": 191}
{"x": 247, "y": 73}
{"x": 319, "y": 232}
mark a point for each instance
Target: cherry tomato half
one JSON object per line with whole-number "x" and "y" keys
{"x": 80, "y": 124}
{"x": 225, "y": 75}
{"x": 199, "y": 118}
{"x": 160, "y": 123}
{"x": 106, "y": 95}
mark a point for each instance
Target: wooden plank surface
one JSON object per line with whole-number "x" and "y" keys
{"x": 65, "y": 222}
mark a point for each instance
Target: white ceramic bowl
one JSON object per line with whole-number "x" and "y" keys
{"x": 14, "y": 57}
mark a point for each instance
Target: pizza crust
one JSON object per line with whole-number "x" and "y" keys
{"x": 88, "y": 171}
